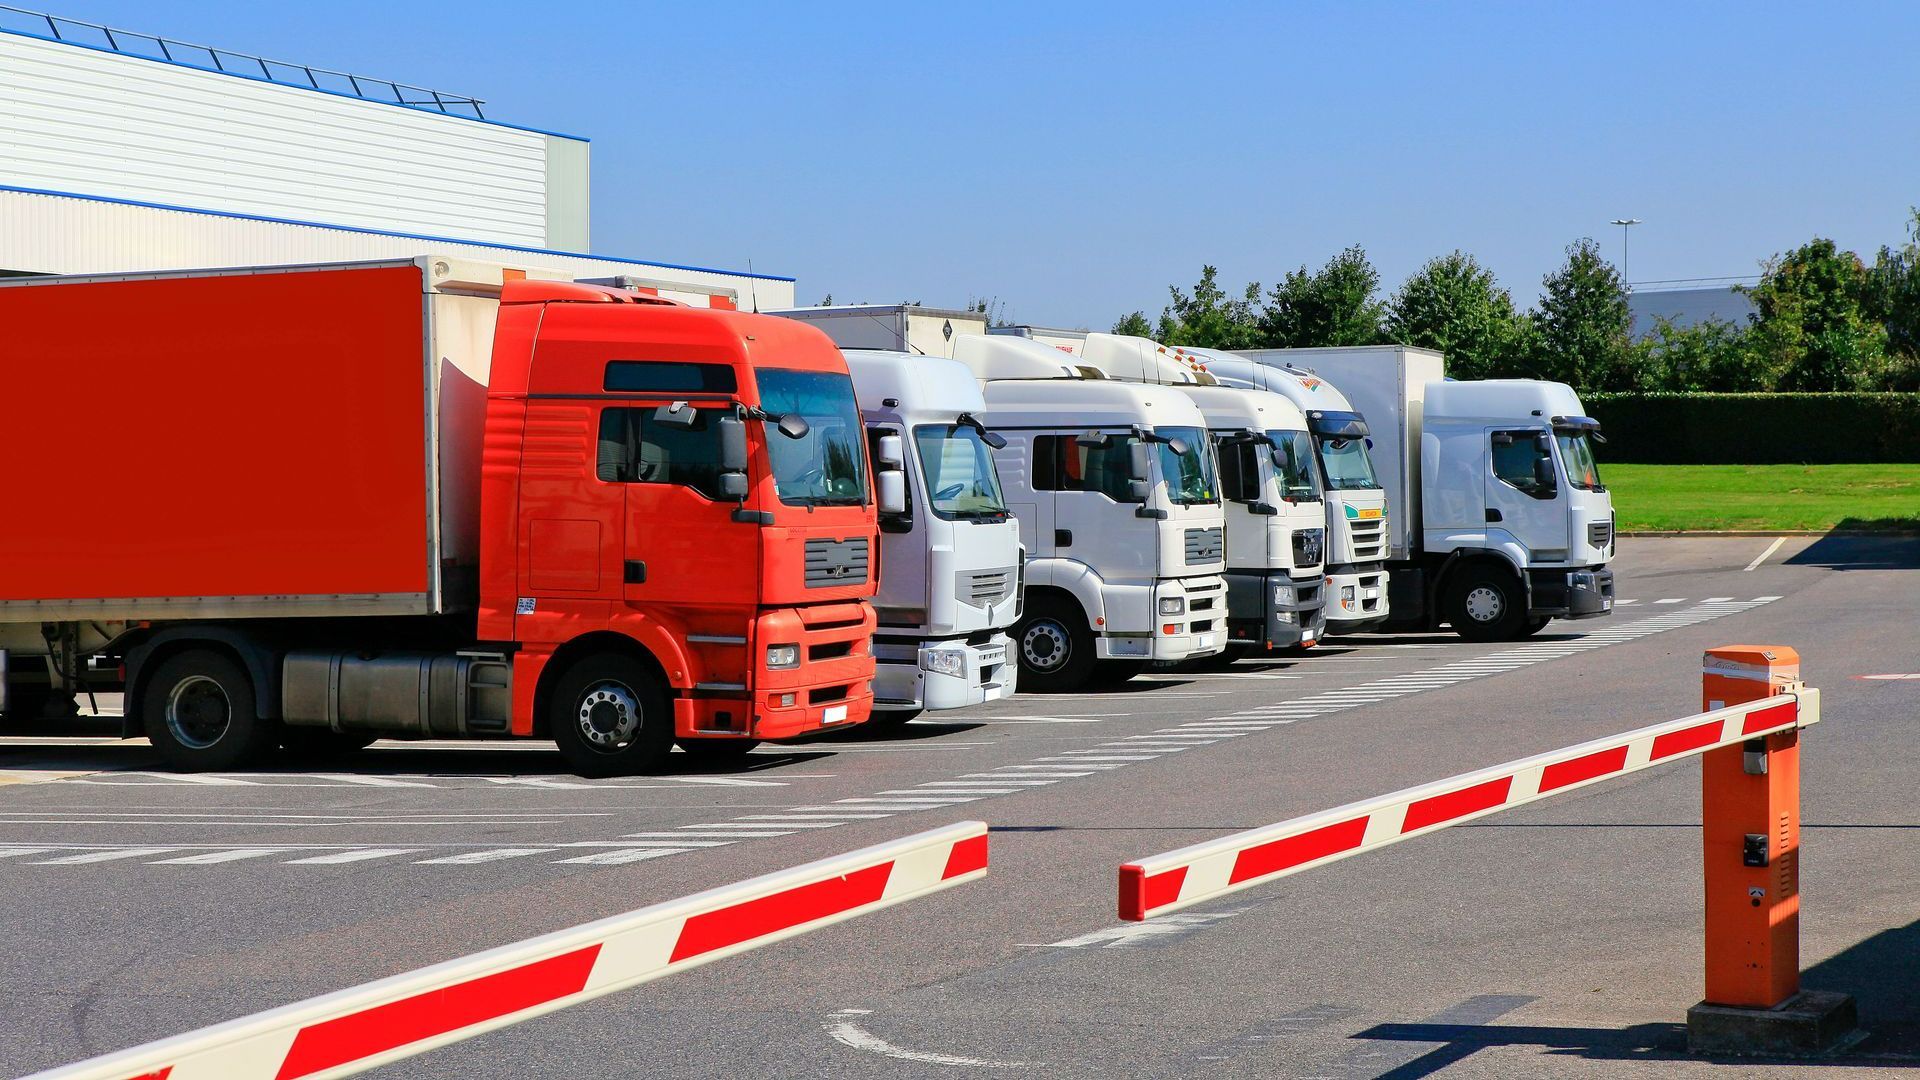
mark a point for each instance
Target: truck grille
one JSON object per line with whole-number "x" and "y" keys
{"x": 1600, "y": 533}
{"x": 1204, "y": 545}
{"x": 1308, "y": 545}
{"x": 1369, "y": 540}
{"x": 984, "y": 588}
{"x": 836, "y": 562}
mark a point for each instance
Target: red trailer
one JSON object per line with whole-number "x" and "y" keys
{"x": 432, "y": 498}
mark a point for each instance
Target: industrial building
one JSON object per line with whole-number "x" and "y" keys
{"x": 130, "y": 152}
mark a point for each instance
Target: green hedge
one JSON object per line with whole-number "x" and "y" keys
{"x": 1757, "y": 429}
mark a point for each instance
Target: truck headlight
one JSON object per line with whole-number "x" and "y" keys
{"x": 944, "y": 661}
{"x": 1283, "y": 594}
{"x": 1347, "y": 597}
{"x": 783, "y": 656}
{"x": 1173, "y": 605}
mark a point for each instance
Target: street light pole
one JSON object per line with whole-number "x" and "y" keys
{"x": 1625, "y": 224}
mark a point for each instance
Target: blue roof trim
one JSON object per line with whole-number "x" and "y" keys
{"x": 382, "y": 232}
{"x": 292, "y": 86}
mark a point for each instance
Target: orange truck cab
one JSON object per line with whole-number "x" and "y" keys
{"x": 642, "y": 523}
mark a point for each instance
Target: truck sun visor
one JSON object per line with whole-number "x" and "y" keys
{"x": 1337, "y": 425}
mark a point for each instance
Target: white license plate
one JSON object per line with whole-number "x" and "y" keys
{"x": 1307, "y": 635}
{"x": 836, "y": 713}
{"x": 1370, "y": 594}
{"x": 1205, "y": 641}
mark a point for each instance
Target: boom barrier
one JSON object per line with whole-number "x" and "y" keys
{"x": 356, "y": 1029}
{"x": 1749, "y": 739}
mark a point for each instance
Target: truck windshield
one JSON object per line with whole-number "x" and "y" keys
{"x": 961, "y": 482}
{"x": 1190, "y": 477}
{"x": 1294, "y": 452}
{"x": 828, "y": 465}
{"x": 1346, "y": 463}
{"x": 1577, "y": 451}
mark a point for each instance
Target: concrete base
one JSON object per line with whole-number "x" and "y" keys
{"x": 1810, "y": 1022}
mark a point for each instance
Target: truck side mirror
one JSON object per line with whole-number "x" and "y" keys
{"x": 1139, "y": 461}
{"x": 679, "y": 415}
{"x": 1138, "y": 490}
{"x": 893, "y": 491}
{"x": 1501, "y": 438}
{"x": 891, "y": 451}
{"x": 733, "y": 444}
{"x": 733, "y": 485}
{"x": 794, "y": 426}
{"x": 1543, "y": 474}
{"x": 1090, "y": 439}
{"x": 1179, "y": 446}
{"x": 994, "y": 439}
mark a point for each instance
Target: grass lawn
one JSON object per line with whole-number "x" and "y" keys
{"x": 1708, "y": 497}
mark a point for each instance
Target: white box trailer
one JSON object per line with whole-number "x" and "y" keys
{"x": 907, "y": 328}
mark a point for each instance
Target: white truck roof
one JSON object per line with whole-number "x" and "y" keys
{"x": 926, "y": 387}
{"x": 993, "y": 357}
{"x": 1138, "y": 359}
{"x": 1087, "y": 403}
{"x": 1304, "y": 389}
{"x": 1502, "y": 400}
{"x": 1246, "y": 409}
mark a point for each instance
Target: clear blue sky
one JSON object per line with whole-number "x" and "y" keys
{"x": 1071, "y": 160}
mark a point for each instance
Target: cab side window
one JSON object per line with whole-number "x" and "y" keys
{"x": 634, "y": 448}
{"x": 1239, "y": 470}
{"x": 1521, "y": 459}
{"x": 1060, "y": 463}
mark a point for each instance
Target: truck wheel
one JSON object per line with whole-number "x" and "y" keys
{"x": 717, "y": 749}
{"x": 610, "y": 717}
{"x": 198, "y": 711}
{"x": 1056, "y": 648}
{"x": 1485, "y": 604}
{"x": 314, "y": 742}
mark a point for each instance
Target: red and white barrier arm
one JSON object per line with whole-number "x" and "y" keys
{"x": 356, "y": 1029}
{"x": 1214, "y": 868}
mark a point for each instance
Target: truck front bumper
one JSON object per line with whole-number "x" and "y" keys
{"x": 1356, "y": 598}
{"x": 829, "y": 685}
{"x": 1570, "y": 594}
{"x": 943, "y": 674}
{"x": 1275, "y": 610}
{"x": 1200, "y": 629}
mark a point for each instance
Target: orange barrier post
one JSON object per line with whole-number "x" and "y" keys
{"x": 1750, "y": 835}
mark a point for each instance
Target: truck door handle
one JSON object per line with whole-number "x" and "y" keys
{"x": 1063, "y": 538}
{"x": 636, "y": 572}
{"x": 1494, "y": 515}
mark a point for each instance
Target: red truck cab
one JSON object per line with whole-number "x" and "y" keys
{"x": 677, "y": 513}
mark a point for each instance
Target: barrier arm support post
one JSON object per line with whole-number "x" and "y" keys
{"x": 1750, "y": 837}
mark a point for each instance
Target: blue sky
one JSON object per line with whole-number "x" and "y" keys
{"x": 1071, "y": 160}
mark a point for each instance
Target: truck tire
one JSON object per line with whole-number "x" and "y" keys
{"x": 1485, "y": 603}
{"x": 316, "y": 742}
{"x": 610, "y": 717}
{"x": 198, "y": 711}
{"x": 716, "y": 750}
{"x": 1056, "y": 648}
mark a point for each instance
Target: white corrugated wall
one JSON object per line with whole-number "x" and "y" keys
{"x": 50, "y": 234}
{"x": 98, "y": 123}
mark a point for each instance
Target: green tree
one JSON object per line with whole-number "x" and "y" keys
{"x": 1893, "y": 299}
{"x": 1135, "y": 325}
{"x": 1455, "y": 305}
{"x": 1714, "y": 355}
{"x": 1580, "y": 329}
{"x": 1813, "y": 331}
{"x": 1209, "y": 318}
{"x": 1336, "y": 305}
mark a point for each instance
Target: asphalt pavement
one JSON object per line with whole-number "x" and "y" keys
{"x": 1557, "y": 939}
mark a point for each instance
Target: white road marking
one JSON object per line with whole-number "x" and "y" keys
{"x": 624, "y": 855}
{"x": 1716, "y": 599}
{"x": 1771, "y": 548}
{"x": 1672, "y": 600}
{"x": 775, "y": 819}
{"x": 14, "y": 852}
{"x": 104, "y": 856}
{"x": 200, "y": 778}
{"x": 1129, "y": 935}
{"x": 210, "y": 857}
{"x": 368, "y": 781}
{"x": 735, "y": 827}
{"x": 677, "y": 843}
{"x": 1033, "y": 719}
{"x": 1624, "y": 603}
{"x": 472, "y": 857}
{"x": 360, "y": 855}
{"x": 728, "y": 835}
{"x": 1764, "y": 599}
{"x": 726, "y": 781}
{"x": 846, "y": 1033}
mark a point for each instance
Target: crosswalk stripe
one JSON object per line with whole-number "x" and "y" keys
{"x": 357, "y": 855}
{"x": 210, "y": 857}
{"x": 104, "y": 856}
{"x": 624, "y": 855}
{"x": 494, "y": 855}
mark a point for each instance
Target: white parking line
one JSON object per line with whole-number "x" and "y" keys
{"x": 104, "y": 856}
{"x": 472, "y": 857}
{"x": 361, "y": 855}
{"x": 625, "y": 855}
{"x": 1771, "y": 548}
{"x": 210, "y": 857}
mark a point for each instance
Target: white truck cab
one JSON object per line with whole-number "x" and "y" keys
{"x": 1357, "y": 518}
{"x": 1115, "y": 488}
{"x": 1276, "y": 523}
{"x": 950, "y": 563}
{"x": 1498, "y": 521}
